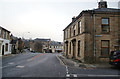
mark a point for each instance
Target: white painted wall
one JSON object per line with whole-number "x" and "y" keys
{"x": 3, "y": 42}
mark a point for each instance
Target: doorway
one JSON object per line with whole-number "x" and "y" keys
{"x": 3, "y": 50}
{"x": 74, "y": 49}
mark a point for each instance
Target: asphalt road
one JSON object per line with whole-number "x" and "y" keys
{"x": 49, "y": 65}
{"x": 33, "y": 65}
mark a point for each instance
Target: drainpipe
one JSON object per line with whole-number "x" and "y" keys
{"x": 93, "y": 17}
{"x": 94, "y": 35}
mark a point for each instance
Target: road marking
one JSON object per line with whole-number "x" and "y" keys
{"x": 104, "y": 75}
{"x": 7, "y": 65}
{"x": 64, "y": 65}
{"x": 66, "y": 69}
{"x": 75, "y": 75}
{"x": 3, "y": 67}
{"x": 35, "y": 57}
{"x": 11, "y": 63}
{"x": 20, "y": 66}
{"x": 67, "y": 75}
{"x": 92, "y": 75}
{"x": 60, "y": 61}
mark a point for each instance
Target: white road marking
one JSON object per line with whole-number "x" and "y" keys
{"x": 64, "y": 65}
{"x": 4, "y": 67}
{"x": 11, "y": 63}
{"x": 67, "y": 75}
{"x": 75, "y": 75}
{"x": 93, "y": 75}
{"x": 60, "y": 60}
{"x": 66, "y": 69}
{"x": 104, "y": 75}
{"x": 20, "y": 66}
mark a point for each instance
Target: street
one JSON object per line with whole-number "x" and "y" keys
{"x": 33, "y": 65}
{"x": 48, "y": 65}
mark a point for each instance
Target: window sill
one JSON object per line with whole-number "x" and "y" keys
{"x": 103, "y": 56}
{"x": 105, "y": 33}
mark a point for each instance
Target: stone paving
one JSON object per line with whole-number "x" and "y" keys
{"x": 75, "y": 63}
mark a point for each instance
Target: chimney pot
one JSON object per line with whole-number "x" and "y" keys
{"x": 102, "y": 4}
{"x": 73, "y": 19}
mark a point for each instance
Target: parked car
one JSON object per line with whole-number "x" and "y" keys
{"x": 33, "y": 51}
{"x": 115, "y": 58}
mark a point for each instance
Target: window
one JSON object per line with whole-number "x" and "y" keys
{"x": 78, "y": 48}
{"x": 105, "y": 47}
{"x": 79, "y": 27}
{"x": 64, "y": 35}
{"x": 74, "y": 28}
{"x": 0, "y": 47}
{"x": 7, "y": 35}
{"x": 67, "y": 33}
{"x": 105, "y": 25}
{"x": 6, "y": 47}
{"x": 105, "y": 21}
{"x": 70, "y": 48}
{"x": 70, "y": 32}
{"x": 105, "y": 29}
{"x": 4, "y": 34}
{"x": 0, "y": 32}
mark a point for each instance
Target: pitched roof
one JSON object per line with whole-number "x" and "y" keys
{"x": 5, "y": 29}
{"x": 55, "y": 43}
{"x": 42, "y": 40}
{"x": 94, "y": 11}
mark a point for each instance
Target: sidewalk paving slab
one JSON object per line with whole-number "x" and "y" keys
{"x": 72, "y": 63}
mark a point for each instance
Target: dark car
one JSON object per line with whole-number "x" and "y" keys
{"x": 115, "y": 58}
{"x": 33, "y": 51}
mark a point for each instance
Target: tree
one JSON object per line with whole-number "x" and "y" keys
{"x": 38, "y": 47}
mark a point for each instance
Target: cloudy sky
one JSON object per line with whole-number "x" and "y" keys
{"x": 43, "y": 18}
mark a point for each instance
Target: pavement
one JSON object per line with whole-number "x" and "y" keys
{"x": 75, "y": 63}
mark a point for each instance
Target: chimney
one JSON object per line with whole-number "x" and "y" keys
{"x": 102, "y": 4}
{"x": 73, "y": 19}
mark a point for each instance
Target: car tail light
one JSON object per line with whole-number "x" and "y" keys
{"x": 116, "y": 60}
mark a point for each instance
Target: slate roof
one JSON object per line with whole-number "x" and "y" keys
{"x": 4, "y": 29}
{"x": 42, "y": 40}
{"x": 55, "y": 43}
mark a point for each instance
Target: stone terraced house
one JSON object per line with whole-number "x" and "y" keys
{"x": 93, "y": 34}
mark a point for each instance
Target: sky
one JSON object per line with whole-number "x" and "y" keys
{"x": 43, "y": 18}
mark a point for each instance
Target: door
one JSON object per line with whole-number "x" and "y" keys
{"x": 3, "y": 50}
{"x": 66, "y": 49}
{"x": 0, "y": 49}
{"x": 74, "y": 49}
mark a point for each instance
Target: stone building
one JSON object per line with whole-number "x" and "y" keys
{"x": 40, "y": 45}
{"x": 5, "y": 46}
{"x": 17, "y": 45}
{"x": 55, "y": 47}
{"x": 93, "y": 34}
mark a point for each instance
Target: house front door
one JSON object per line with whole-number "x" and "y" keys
{"x": 74, "y": 49}
{"x": 3, "y": 50}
